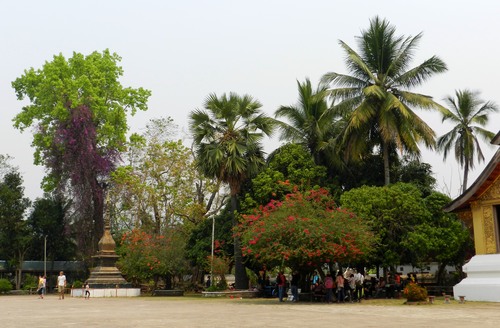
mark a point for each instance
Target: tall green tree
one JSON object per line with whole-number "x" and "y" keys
{"x": 199, "y": 245}
{"x": 392, "y": 212}
{"x": 161, "y": 186}
{"x": 48, "y": 221}
{"x": 78, "y": 109}
{"x": 227, "y": 138}
{"x": 376, "y": 97}
{"x": 288, "y": 166}
{"x": 15, "y": 233}
{"x": 417, "y": 173}
{"x": 160, "y": 190}
{"x": 442, "y": 238}
{"x": 469, "y": 114}
{"x": 310, "y": 122}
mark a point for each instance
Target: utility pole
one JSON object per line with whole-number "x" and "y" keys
{"x": 212, "y": 260}
{"x": 45, "y": 256}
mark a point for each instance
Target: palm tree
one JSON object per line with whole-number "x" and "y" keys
{"x": 312, "y": 123}
{"x": 469, "y": 114}
{"x": 227, "y": 140}
{"x": 376, "y": 99}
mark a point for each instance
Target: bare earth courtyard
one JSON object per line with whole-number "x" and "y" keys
{"x": 28, "y": 311}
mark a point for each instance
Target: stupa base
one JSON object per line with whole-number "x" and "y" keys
{"x": 483, "y": 279}
{"x": 107, "y": 292}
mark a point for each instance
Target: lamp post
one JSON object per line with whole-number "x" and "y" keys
{"x": 45, "y": 256}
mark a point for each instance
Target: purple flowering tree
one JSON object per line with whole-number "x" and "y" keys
{"x": 78, "y": 109}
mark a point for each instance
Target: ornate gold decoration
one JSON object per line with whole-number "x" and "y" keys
{"x": 489, "y": 230}
{"x": 493, "y": 192}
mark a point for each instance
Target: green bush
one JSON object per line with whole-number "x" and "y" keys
{"x": 218, "y": 286}
{"x": 77, "y": 284}
{"x": 30, "y": 281}
{"x": 5, "y": 286}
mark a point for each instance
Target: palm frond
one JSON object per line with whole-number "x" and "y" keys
{"x": 419, "y": 100}
{"x": 421, "y": 73}
{"x": 356, "y": 65}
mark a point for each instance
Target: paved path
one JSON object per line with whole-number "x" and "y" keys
{"x": 28, "y": 311}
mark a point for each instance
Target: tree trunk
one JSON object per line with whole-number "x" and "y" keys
{"x": 385, "y": 154}
{"x": 157, "y": 219}
{"x": 155, "y": 282}
{"x": 240, "y": 275}
{"x": 466, "y": 175}
{"x": 19, "y": 273}
{"x": 19, "y": 267}
{"x": 168, "y": 281}
{"x": 440, "y": 274}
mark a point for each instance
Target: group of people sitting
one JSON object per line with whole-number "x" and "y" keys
{"x": 349, "y": 286}
{"x": 341, "y": 288}
{"x": 353, "y": 286}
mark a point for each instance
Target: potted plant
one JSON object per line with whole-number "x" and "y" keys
{"x": 415, "y": 293}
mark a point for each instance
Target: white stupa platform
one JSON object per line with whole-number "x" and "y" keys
{"x": 483, "y": 279}
{"x": 107, "y": 292}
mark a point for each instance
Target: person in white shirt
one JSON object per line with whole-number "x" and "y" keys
{"x": 87, "y": 291}
{"x": 61, "y": 284}
{"x": 358, "y": 279}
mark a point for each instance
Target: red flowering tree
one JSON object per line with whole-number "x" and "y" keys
{"x": 146, "y": 257}
{"x": 305, "y": 229}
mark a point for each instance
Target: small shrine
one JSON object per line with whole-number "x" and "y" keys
{"x": 105, "y": 279}
{"x": 106, "y": 274}
{"x": 479, "y": 208}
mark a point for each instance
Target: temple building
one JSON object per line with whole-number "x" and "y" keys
{"x": 479, "y": 208}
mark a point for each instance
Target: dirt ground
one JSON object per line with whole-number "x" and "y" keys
{"x": 28, "y": 311}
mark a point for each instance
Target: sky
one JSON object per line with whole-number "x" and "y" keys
{"x": 184, "y": 50}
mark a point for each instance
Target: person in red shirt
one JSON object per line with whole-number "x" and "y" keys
{"x": 281, "y": 282}
{"x": 329, "y": 284}
{"x": 397, "y": 286}
{"x": 339, "y": 281}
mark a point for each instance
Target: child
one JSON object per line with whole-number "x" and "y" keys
{"x": 41, "y": 286}
{"x": 87, "y": 291}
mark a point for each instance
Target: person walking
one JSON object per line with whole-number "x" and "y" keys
{"x": 281, "y": 283}
{"x": 294, "y": 285}
{"x": 359, "y": 279}
{"x": 87, "y": 291}
{"x": 61, "y": 284}
{"x": 41, "y": 286}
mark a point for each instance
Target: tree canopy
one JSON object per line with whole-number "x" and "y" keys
{"x": 291, "y": 163}
{"x": 376, "y": 99}
{"x": 469, "y": 114}
{"x": 15, "y": 233}
{"x": 410, "y": 228}
{"x": 146, "y": 256}
{"x": 227, "y": 141}
{"x": 305, "y": 230}
{"x": 64, "y": 84}
{"x": 311, "y": 123}
{"x": 77, "y": 107}
{"x": 391, "y": 211}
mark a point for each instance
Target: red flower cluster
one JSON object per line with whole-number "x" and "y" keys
{"x": 303, "y": 228}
